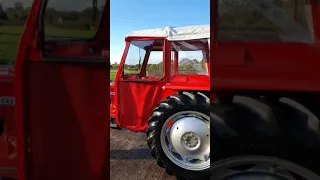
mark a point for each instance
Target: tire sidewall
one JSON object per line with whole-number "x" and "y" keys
{"x": 166, "y": 161}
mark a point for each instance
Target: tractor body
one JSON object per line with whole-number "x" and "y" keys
{"x": 8, "y": 148}
{"x": 157, "y": 63}
{"x": 162, "y": 87}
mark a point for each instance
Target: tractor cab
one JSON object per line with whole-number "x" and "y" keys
{"x": 264, "y": 44}
{"x": 157, "y": 63}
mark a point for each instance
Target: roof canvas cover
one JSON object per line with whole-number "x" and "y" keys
{"x": 176, "y": 34}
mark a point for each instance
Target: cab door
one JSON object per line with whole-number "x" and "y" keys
{"x": 61, "y": 91}
{"x": 139, "y": 82}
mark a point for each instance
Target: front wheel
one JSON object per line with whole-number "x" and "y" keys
{"x": 113, "y": 124}
{"x": 179, "y": 135}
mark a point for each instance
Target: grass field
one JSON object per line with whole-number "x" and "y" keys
{"x": 114, "y": 71}
{"x": 112, "y": 74}
{"x": 9, "y": 39}
{"x": 10, "y": 36}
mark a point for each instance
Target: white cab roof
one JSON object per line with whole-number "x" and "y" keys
{"x": 175, "y": 33}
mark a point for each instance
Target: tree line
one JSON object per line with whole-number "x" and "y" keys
{"x": 15, "y": 15}
{"x": 187, "y": 66}
{"x": 246, "y": 17}
{"x": 85, "y": 19}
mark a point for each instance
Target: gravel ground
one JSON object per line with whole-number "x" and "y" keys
{"x": 130, "y": 158}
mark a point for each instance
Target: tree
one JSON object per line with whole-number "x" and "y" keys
{"x": 18, "y": 6}
{"x": 94, "y": 13}
{"x": 19, "y": 11}
{"x": 3, "y": 15}
{"x": 115, "y": 65}
{"x": 10, "y": 13}
{"x": 152, "y": 67}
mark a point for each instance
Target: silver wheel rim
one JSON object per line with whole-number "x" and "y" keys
{"x": 185, "y": 139}
{"x": 264, "y": 168}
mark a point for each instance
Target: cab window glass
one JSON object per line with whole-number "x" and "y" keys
{"x": 72, "y": 19}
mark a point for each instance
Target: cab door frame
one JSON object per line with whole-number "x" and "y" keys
{"x": 153, "y": 89}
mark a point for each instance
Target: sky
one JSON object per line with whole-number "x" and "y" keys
{"x": 132, "y": 15}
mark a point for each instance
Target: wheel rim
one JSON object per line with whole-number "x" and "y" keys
{"x": 263, "y": 168}
{"x": 185, "y": 139}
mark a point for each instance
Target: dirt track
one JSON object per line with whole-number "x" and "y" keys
{"x": 130, "y": 158}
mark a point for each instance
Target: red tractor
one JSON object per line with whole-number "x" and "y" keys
{"x": 265, "y": 76}
{"x": 162, "y": 87}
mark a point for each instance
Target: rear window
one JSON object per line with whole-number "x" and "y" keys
{"x": 265, "y": 20}
{"x": 72, "y": 19}
{"x": 192, "y": 56}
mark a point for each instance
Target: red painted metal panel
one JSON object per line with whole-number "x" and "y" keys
{"x": 8, "y": 150}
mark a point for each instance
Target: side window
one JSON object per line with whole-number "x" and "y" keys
{"x": 67, "y": 20}
{"x": 71, "y": 30}
{"x": 12, "y": 19}
{"x": 144, "y": 60}
{"x": 155, "y": 64}
{"x": 191, "y": 62}
{"x": 192, "y": 56}
{"x": 265, "y": 20}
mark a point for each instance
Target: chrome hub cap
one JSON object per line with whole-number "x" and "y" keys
{"x": 185, "y": 139}
{"x": 191, "y": 141}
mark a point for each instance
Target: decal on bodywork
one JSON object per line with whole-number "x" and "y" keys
{"x": 7, "y": 101}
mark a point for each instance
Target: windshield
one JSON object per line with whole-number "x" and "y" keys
{"x": 265, "y": 20}
{"x": 144, "y": 58}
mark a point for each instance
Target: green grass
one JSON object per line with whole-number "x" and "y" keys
{"x": 114, "y": 71}
{"x": 12, "y": 29}
{"x": 112, "y": 74}
{"x": 52, "y": 32}
{"x": 10, "y": 36}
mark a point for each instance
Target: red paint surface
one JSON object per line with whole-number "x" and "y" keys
{"x": 137, "y": 100}
{"x": 266, "y": 66}
{"x": 61, "y": 107}
{"x": 137, "y": 97}
{"x": 67, "y": 121}
{"x": 112, "y": 99}
{"x": 8, "y": 151}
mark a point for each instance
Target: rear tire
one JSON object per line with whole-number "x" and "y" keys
{"x": 252, "y": 126}
{"x": 186, "y": 102}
